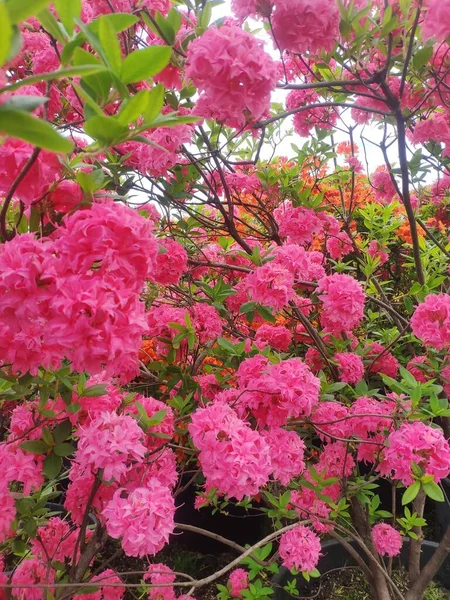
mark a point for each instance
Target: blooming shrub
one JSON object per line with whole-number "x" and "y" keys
{"x": 210, "y": 287}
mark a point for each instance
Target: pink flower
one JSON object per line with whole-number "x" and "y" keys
{"x": 336, "y": 460}
{"x": 278, "y": 337}
{"x": 417, "y": 366}
{"x": 116, "y": 237}
{"x": 384, "y": 189}
{"x": 297, "y": 224}
{"x": 351, "y": 367}
{"x": 270, "y": 285}
{"x": 419, "y": 443}
{"x": 339, "y": 246}
{"x": 160, "y": 573}
{"x": 374, "y": 250}
{"x": 431, "y": 321}
{"x": 32, "y": 571}
{"x": 300, "y": 549}
{"x": 296, "y": 387}
{"x": 143, "y": 519}
{"x": 238, "y": 581}
{"x": 387, "y": 540}
{"x": 343, "y": 302}
{"x": 110, "y": 442}
{"x": 330, "y": 417}
{"x": 305, "y": 266}
{"x": 55, "y": 541}
{"x": 45, "y": 171}
{"x": 207, "y": 322}
{"x": 7, "y": 515}
{"x": 437, "y": 21}
{"x": 306, "y": 25}
{"x": 151, "y": 406}
{"x": 66, "y": 197}
{"x": 171, "y": 263}
{"x": 234, "y": 75}
{"x": 385, "y": 362}
{"x": 309, "y": 506}
{"x": 251, "y": 8}
{"x": 286, "y": 453}
{"x": 234, "y": 458}
{"x": 105, "y": 592}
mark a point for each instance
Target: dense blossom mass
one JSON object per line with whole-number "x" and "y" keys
{"x": 224, "y": 292}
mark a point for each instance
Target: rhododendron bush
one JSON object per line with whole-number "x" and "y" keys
{"x": 223, "y": 268}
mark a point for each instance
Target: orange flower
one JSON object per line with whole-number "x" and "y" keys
{"x": 147, "y": 352}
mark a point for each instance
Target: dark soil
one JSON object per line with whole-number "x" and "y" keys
{"x": 350, "y": 584}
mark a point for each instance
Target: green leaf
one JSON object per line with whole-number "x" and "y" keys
{"x": 433, "y": 491}
{"x": 19, "y": 10}
{"x": 142, "y": 64}
{"x": 52, "y": 466}
{"x": 34, "y": 447}
{"x": 157, "y": 418}
{"x": 105, "y": 129}
{"x": 54, "y": 27}
{"x": 64, "y": 449}
{"x": 410, "y": 493}
{"x": 422, "y": 56}
{"x": 6, "y": 33}
{"x": 154, "y": 104}
{"x": 133, "y": 108}
{"x": 27, "y": 103}
{"x": 79, "y": 71}
{"x": 119, "y": 21}
{"x": 68, "y": 11}
{"x": 265, "y": 313}
{"x": 62, "y": 431}
{"x": 110, "y": 45}
{"x": 95, "y": 391}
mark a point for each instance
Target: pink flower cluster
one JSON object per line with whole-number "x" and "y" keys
{"x": 419, "y": 443}
{"x": 387, "y": 540}
{"x": 77, "y": 296}
{"x": 234, "y": 75}
{"x": 160, "y": 573}
{"x": 305, "y": 265}
{"x": 437, "y": 20}
{"x": 278, "y": 337}
{"x": 300, "y": 549}
{"x": 235, "y": 459}
{"x": 270, "y": 285}
{"x": 109, "y": 443}
{"x": 306, "y": 25}
{"x": 276, "y": 392}
{"x": 143, "y": 518}
{"x": 238, "y": 582}
{"x": 298, "y": 225}
{"x": 171, "y": 263}
{"x": 351, "y": 367}
{"x": 343, "y": 303}
{"x": 431, "y": 321}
